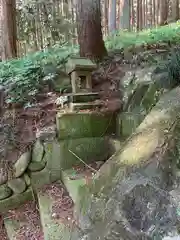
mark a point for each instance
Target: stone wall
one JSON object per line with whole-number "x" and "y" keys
{"x": 142, "y": 90}
{"x": 129, "y": 198}
{"x": 78, "y": 138}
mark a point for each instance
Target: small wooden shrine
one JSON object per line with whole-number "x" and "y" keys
{"x": 80, "y": 70}
{"x": 82, "y": 97}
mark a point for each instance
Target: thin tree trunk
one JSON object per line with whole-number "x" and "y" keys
{"x": 125, "y": 15}
{"x": 89, "y": 29}
{"x": 163, "y": 12}
{"x": 106, "y": 16}
{"x": 112, "y": 15}
{"x": 9, "y": 48}
{"x": 175, "y": 10}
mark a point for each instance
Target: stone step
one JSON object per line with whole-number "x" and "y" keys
{"x": 23, "y": 223}
{"x": 77, "y": 177}
{"x": 84, "y": 106}
{"x": 73, "y": 182}
{"x": 56, "y": 212}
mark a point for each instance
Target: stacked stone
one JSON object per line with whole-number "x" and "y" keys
{"x": 29, "y": 169}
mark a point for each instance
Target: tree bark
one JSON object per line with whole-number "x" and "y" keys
{"x": 163, "y": 12}
{"x": 125, "y": 14}
{"x": 112, "y": 16}
{"x": 139, "y": 15}
{"x": 89, "y": 29}
{"x": 175, "y": 10}
{"x": 9, "y": 31}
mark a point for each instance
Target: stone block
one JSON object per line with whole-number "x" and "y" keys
{"x": 81, "y": 125}
{"x": 46, "y": 176}
{"x": 83, "y": 97}
{"x": 73, "y": 185}
{"x": 136, "y": 97}
{"x": 151, "y": 97}
{"x": 53, "y": 159}
{"x": 76, "y": 151}
{"x": 129, "y": 122}
{"x": 85, "y": 106}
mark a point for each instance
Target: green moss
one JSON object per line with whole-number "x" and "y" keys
{"x": 15, "y": 200}
{"x": 129, "y": 122}
{"x": 76, "y": 151}
{"x": 84, "y": 97}
{"x": 53, "y": 228}
{"x": 81, "y": 125}
{"x": 153, "y": 135}
{"x": 73, "y": 186}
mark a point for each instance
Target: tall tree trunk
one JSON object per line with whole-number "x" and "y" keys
{"x": 9, "y": 31}
{"x": 106, "y": 17}
{"x": 112, "y": 15}
{"x": 139, "y": 15}
{"x": 175, "y": 10}
{"x": 125, "y": 15}
{"x": 163, "y": 12}
{"x": 89, "y": 29}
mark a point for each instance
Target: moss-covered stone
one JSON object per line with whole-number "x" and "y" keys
{"x": 27, "y": 179}
{"x": 15, "y": 200}
{"x": 80, "y": 63}
{"x": 18, "y": 185}
{"x": 54, "y": 229}
{"x": 83, "y": 97}
{"x": 5, "y": 191}
{"x": 37, "y": 152}
{"x": 85, "y": 106}
{"x": 3, "y": 175}
{"x": 76, "y": 151}
{"x": 151, "y": 97}
{"x": 129, "y": 122}
{"x": 74, "y": 185}
{"x": 36, "y": 166}
{"x": 136, "y": 97}
{"x": 21, "y": 164}
{"x": 81, "y": 125}
{"x": 52, "y": 157}
{"x": 153, "y": 137}
{"x": 46, "y": 176}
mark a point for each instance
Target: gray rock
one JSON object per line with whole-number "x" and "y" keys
{"x": 5, "y": 192}
{"x": 37, "y": 152}
{"x": 136, "y": 209}
{"x": 17, "y": 185}
{"x": 3, "y": 176}
{"x": 27, "y": 179}
{"x": 36, "y": 166}
{"x": 21, "y": 164}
